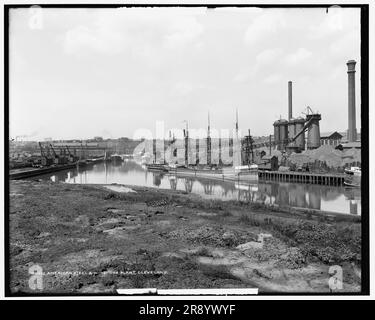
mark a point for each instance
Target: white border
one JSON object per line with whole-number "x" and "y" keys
{"x": 275, "y": 297}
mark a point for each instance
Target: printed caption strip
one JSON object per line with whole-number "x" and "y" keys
{"x": 189, "y": 292}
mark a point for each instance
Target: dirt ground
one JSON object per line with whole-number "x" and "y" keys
{"x": 90, "y": 239}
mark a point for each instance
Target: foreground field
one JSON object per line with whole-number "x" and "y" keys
{"x": 90, "y": 239}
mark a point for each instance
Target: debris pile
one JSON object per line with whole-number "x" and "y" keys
{"x": 326, "y": 156}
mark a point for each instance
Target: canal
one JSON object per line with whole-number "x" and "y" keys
{"x": 326, "y": 198}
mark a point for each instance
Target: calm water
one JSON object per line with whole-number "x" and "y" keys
{"x": 337, "y": 199}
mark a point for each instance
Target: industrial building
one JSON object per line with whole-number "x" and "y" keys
{"x": 289, "y": 135}
{"x": 331, "y": 138}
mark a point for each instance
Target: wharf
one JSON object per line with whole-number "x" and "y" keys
{"x": 27, "y": 173}
{"x": 228, "y": 174}
{"x": 23, "y": 173}
{"x": 303, "y": 177}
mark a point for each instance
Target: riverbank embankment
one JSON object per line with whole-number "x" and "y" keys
{"x": 90, "y": 239}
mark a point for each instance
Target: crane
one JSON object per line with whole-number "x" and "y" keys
{"x": 248, "y": 147}
{"x": 71, "y": 157}
{"x": 308, "y": 110}
{"x": 55, "y": 156}
{"x": 46, "y": 157}
{"x": 43, "y": 154}
{"x": 53, "y": 150}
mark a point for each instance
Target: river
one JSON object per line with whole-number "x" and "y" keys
{"x": 326, "y": 198}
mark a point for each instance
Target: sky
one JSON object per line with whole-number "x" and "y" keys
{"x": 80, "y": 73}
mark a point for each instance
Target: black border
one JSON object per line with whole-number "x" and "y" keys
{"x": 365, "y": 279}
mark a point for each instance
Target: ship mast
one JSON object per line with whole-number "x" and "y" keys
{"x": 209, "y": 140}
{"x": 236, "y": 146}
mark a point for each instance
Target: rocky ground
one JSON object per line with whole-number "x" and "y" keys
{"x": 90, "y": 239}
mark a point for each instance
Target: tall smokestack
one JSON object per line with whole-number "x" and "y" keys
{"x": 290, "y": 100}
{"x": 352, "y": 130}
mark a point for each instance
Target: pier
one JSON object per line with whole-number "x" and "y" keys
{"x": 303, "y": 177}
{"x": 25, "y": 173}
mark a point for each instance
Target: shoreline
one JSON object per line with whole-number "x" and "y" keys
{"x": 304, "y": 212}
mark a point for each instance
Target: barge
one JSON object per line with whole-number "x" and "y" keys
{"x": 22, "y": 174}
{"x": 15, "y": 174}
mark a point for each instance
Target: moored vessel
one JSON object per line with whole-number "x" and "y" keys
{"x": 353, "y": 177}
{"x": 116, "y": 158}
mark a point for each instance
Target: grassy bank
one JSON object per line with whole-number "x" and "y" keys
{"x": 91, "y": 239}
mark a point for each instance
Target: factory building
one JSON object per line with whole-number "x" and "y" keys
{"x": 331, "y": 139}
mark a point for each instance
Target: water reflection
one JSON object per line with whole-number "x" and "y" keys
{"x": 325, "y": 198}
{"x": 173, "y": 182}
{"x": 156, "y": 179}
{"x": 188, "y": 184}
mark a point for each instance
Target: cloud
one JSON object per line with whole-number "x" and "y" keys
{"x": 263, "y": 60}
{"x": 134, "y": 29}
{"x": 246, "y": 75}
{"x": 335, "y": 21}
{"x": 298, "y": 57}
{"x": 269, "y": 55}
{"x": 264, "y": 25}
{"x": 185, "y": 61}
{"x": 182, "y": 32}
{"x": 83, "y": 38}
{"x": 241, "y": 77}
{"x": 273, "y": 78}
{"x": 343, "y": 46}
{"x": 182, "y": 88}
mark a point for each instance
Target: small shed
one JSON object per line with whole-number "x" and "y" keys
{"x": 270, "y": 163}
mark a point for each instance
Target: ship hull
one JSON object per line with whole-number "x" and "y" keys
{"x": 353, "y": 180}
{"x": 220, "y": 174}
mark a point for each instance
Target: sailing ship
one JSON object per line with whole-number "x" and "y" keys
{"x": 237, "y": 171}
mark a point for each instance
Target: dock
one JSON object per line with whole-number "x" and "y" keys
{"x": 303, "y": 177}
{"x": 24, "y": 173}
{"x": 328, "y": 179}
